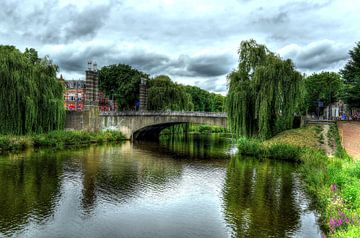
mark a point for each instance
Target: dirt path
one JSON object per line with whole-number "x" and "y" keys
{"x": 326, "y": 143}
{"x": 350, "y": 137}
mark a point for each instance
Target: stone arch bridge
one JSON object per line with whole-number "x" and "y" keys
{"x": 144, "y": 124}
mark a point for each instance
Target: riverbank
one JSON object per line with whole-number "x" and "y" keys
{"x": 334, "y": 181}
{"x": 57, "y": 139}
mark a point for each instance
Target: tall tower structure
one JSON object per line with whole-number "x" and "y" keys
{"x": 92, "y": 86}
{"x": 143, "y": 94}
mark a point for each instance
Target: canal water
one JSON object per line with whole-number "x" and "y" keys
{"x": 187, "y": 187}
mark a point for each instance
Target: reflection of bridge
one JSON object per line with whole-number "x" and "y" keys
{"x": 145, "y": 124}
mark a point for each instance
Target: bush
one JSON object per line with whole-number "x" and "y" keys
{"x": 58, "y": 139}
{"x": 11, "y": 143}
{"x": 251, "y": 147}
{"x": 284, "y": 152}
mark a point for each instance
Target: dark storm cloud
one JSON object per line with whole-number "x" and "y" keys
{"x": 302, "y": 6}
{"x": 178, "y": 37}
{"x": 210, "y": 65}
{"x": 74, "y": 60}
{"x": 294, "y": 21}
{"x": 75, "y": 24}
{"x": 317, "y": 56}
{"x": 279, "y": 18}
{"x": 52, "y": 24}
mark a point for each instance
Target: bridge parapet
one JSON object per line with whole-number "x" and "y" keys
{"x": 165, "y": 113}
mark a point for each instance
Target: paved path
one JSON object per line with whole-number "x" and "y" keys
{"x": 350, "y": 136}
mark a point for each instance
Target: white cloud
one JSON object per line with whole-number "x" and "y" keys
{"x": 317, "y": 55}
{"x": 189, "y": 40}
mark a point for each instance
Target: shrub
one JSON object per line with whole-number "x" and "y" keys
{"x": 284, "y": 152}
{"x": 58, "y": 139}
{"x": 251, "y": 147}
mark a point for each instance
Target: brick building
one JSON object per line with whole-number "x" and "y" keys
{"x": 74, "y": 95}
{"x": 80, "y": 95}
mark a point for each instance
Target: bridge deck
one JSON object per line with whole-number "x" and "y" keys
{"x": 175, "y": 114}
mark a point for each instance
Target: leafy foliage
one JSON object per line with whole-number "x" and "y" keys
{"x": 163, "y": 94}
{"x": 326, "y": 86}
{"x": 31, "y": 97}
{"x": 205, "y": 101}
{"x": 264, "y": 92}
{"x": 122, "y": 82}
{"x": 352, "y": 93}
{"x": 351, "y": 75}
{"x": 57, "y": 139}
{"x": 352, "y": 69}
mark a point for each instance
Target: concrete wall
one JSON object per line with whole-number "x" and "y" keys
{"x": 85, "y": 120}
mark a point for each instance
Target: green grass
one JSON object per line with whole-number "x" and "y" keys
{"x": 333, "y": 182}
{"x": 57, "y": 139}
{"x": 302, "y": 137}
{"x": 259, "y": 149}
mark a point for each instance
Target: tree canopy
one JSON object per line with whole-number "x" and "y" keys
{"x": 205, "y": 101}
{"x": 122, "y": 82}
{"x": 163, "y": 94}
{"x": 325, "y": 86}
{"x": 351, "y": 75}
{"x": 32, "y": 99}
{"x": 264, "y": 92}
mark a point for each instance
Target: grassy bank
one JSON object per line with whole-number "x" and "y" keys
{"x": 193, "y": 128}
{"x": 57, "y": 139}
{"x": 333, "y": 182}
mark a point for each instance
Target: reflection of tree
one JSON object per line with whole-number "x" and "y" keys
{"x": 28, "y": 187}
{"x": 90, "y": 165}
{"x": 195, "y": 147}
{"x": 259, "y": 199}
{"x": 113, "y": 173}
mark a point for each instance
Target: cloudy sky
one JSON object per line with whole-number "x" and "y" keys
{"x": 193, "y": 41}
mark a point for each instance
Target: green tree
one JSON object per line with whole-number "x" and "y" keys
{"x": 326, "y": 86}
{"x": 264, "y": 92}
{"x": 351, "y": 93}
{"x": 351, "y": 75}
{"x": 32, "y": 98}
{"x": 163, "y": 94}
{"x": 352, "y": 69}
{"x": 123, "y": 82}
{"x": 205, "y": 101}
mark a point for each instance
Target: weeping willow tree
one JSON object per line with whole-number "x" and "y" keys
{"x": 264, "y": 92}
{"x": 30, "y": 95}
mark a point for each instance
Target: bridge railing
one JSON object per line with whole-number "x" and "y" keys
{"x": 164, "y": 113}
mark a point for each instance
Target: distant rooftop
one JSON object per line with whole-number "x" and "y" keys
{"x": 72, "y": 84}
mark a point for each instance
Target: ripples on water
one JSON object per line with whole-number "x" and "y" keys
{"x": 178, "y": 188}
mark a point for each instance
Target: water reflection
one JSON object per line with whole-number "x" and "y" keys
{"x": 266, "y": 199}
{"x": 178, "y": 188}
{"x": 29, "y": 187}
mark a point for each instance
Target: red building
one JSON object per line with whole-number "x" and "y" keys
{"x": 74, "y": 95}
